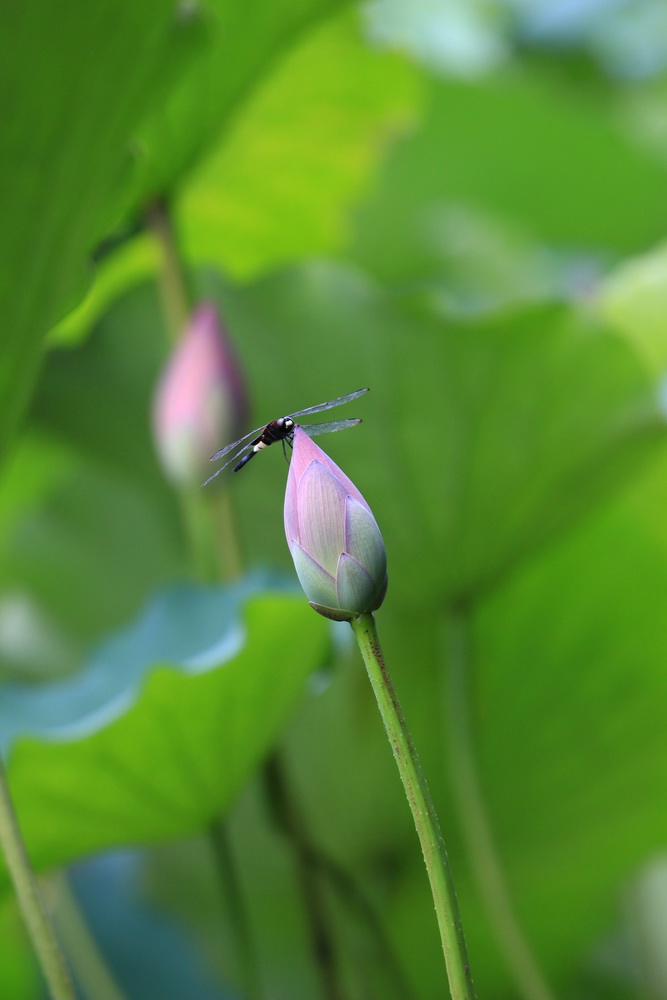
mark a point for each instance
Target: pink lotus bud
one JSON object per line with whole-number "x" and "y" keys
{"x": 200, "y": 399}
{"x": 336, "y": 545}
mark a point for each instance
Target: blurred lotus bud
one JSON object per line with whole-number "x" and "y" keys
{"x": 200, "y": 401}
{"x": 334, "y": 539}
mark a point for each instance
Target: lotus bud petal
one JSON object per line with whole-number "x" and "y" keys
{"x": 200, "y": 399}
{"x": 336, "y": 545}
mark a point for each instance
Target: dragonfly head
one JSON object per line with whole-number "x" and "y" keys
{"x": 286, "y": 424}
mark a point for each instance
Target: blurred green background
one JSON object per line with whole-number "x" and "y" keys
{"x": 464, "y": 206}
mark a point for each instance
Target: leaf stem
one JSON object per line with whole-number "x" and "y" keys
{"x": 92, "y": 972}
{"x": 286, "y": 814}
{"x": 174, "y": 289}
{"x": 223, "y": 855}
{"x": 484, "y": 856}
{"x": 360, "y": 907}
{"x": 423, "y": 811}
{"x": 40, "y": 930}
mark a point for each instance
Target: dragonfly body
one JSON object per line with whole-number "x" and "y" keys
{"x": 282, "y": 429}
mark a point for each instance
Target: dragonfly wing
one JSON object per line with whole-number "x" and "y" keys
{"x": 312, "y": 430}
{"x": 234, "y": 457}
{"x": 237, "y": 447}
{"x": 235, "y": 444}
{"x": 211, "y": 478}
{"x": 330, "y": 404}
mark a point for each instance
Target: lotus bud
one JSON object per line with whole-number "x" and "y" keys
{"x": 200, "y": 398}
{"x": 336, "y": 545}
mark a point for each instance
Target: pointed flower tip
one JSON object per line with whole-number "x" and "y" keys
{"x": 336, "y": 545}
{"x": 200, "y": 398}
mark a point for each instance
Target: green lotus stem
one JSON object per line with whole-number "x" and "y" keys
{"x": 199, "y": 529}
{"x": 213, "y": 548}
{"x": 423, "y": 811}
{"x": 40, "y": 929}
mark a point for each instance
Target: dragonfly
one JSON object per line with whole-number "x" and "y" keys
{"x": 282, "y": 429}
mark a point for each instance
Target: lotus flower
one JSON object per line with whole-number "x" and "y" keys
{"x": 200, "y": 399}
{"x": 334, "y": 539}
